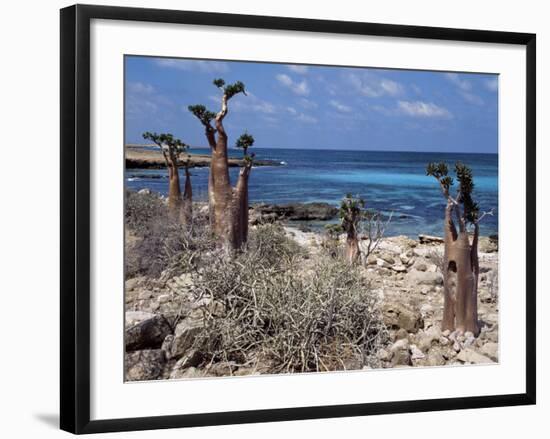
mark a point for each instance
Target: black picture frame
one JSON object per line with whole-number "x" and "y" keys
{"x": 75, "y": 217}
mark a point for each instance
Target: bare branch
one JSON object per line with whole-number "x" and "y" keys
{"x": 375, "y": 231}
{"x": 221, "y": 114}
{"x": 484, "y": 214}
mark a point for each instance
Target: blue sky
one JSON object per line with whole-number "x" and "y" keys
{"x": 294, "y": 106}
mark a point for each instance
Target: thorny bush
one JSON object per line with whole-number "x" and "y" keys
{"x": 295, "y": 315}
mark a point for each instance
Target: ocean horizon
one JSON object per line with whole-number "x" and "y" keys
{"x": 389, "y": 181}
{"x": 199, "y": 149}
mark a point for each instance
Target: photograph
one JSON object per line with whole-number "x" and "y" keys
{"x": 266, "y": 220}
{"x": 296, "y": 218}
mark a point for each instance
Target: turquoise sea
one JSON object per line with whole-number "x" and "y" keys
{"x": 388, "y": 181}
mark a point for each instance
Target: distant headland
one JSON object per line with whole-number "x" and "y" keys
{"x": 144, "y": 157}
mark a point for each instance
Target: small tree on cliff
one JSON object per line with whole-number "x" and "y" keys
{"x": 228, "y": 206}
{"x": 460, "y": 254}
{"x": 171, "y": 149}
{"x": 350, "y": 215}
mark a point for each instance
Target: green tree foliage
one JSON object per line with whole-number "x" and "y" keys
{"x": 166, "y": 140}
{"x": 351, "y": 208}
{"x": 333, "y": 230}
{"x": 231, "y": 89}
{"x": 201, "y": 113}
{"x": 244, "y": 142}
{"x": 465, "y": 188}
{"x": 440, "y": 171}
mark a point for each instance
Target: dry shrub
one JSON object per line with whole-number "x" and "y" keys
{"x": 330, "y": 243}
{"x": 372, "y": 228}
{"x": 328, "y": 319}
{"x": 162, "y": 245}
{"x": 269, "y": 245}
{"x": 276, "y": 305}
{"x": 321, "y": 317}
{"x": 437, "y": 258}
{"x": 143, "y": 209}
{"x": 492, "y": 284}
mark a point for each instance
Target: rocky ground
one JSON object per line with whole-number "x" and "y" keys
{"x": 406, "y": 275}
{"x": 162, "y": 318}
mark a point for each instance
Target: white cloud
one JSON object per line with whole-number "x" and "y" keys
{"x": 491, "y": 84}
{"x": 423, "y": 109}
{"x": 472, "y": 98}
{"x": 253, "y": 103}
{"x": 383, "y": 110}
{"x": 301, "y": 70}
{"x": 299, "y": 116}
{"x": 340, "y": 107}
{"x": 306, "y": 118}
{"x": 273, "y": 121}
{"x": 331, "y": 87}
{"x": 140, "y": 88}
{"x": 464, "y": 89}
{"x": 462, "y": 84}
{"x": 193, "y": 65}
{"x": 390, "y": 87}
{"x": 373, "y": 86}
{"x": 141, "y": 100}
{"x": 299, "y": 88}
{"x": 307, "y": 103}
{"x": 141, "y": 108}
{"x": 264, "y": 107}
{"x": 285, "y": 79}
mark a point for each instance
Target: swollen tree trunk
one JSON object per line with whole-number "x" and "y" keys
{"x": 350, "y": 213}
{"x": 239, "y": 209}
{"x": 187, "y": 205}
{"x": 228, "y": 207}
{"x": 448, "y": 272}
{"x": 211, "y": 192}
{"x": 219, "y": 190}
{"x": 174, "y": 191}
{"x": 352, "y": 246}
{"x": 170, "y": 147}
{"x": 462, "y": 266}
{"x": 179, "y": 208}
{"x": 471, "y": 303}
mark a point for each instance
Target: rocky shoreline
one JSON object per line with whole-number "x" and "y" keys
{"x": 137, "y": 157}
{"x": 162, "y": 319}
{"x": 265, "y": 213}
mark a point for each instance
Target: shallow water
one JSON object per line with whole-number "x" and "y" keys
{"x": 388, "y": 181}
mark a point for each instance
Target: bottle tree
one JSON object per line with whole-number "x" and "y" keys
{"x": 240, "y": 197}
{"x": 228, "y": 206}
{"x": 350, "y": 215}
{"x": 461, "y": 260}
{"x": 180, "y": 208}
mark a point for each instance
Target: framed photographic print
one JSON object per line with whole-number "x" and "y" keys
{"x": 284, "y": 218}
